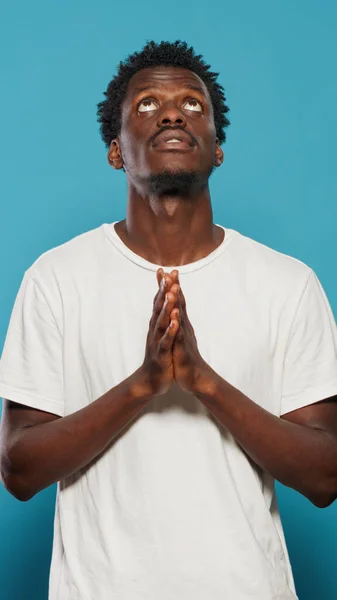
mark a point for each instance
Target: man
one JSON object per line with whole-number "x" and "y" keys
{"x": 166, "y": 436}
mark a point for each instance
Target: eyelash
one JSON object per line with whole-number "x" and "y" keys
{"x": 186, "y": 100}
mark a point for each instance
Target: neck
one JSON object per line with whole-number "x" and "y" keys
{"x": 170, "y": 230}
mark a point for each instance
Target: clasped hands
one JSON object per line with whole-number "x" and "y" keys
{"x": 171, "y": 347}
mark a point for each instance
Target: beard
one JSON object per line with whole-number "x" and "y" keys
{"x": 177, "y": 183}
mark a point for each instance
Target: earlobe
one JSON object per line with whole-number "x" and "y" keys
{"x": 219, "y": 155}
{"x": 115, "y": 159}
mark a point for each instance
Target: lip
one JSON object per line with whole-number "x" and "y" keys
{"x": 184, "y": 142}
{"x": 177, "y": 147}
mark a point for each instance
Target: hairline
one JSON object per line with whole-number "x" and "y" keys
{"x": 199, "y": 89}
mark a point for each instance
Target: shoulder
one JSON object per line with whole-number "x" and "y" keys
{"x": 69, "y": 258}
{"x": 68, "y": 269}
{"x": 268, "y": 264}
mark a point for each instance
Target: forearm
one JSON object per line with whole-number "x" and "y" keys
{"x": 300, "y": 457}
{"x": 46, "y": 453}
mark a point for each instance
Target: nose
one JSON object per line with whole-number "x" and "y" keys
{"x": 171, "y": 115}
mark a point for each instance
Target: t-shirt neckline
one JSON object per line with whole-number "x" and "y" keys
{"x": 142, "y": 262}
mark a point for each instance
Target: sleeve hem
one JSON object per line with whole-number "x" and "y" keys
{"x": 22, "y": 397}
{"x": 311, "y": 397}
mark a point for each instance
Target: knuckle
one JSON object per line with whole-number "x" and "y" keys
{"x": 179, "y": 337}
{"x": 157, "y": 300}
{"x": 161, "y": 324}
{"x": 162, "y": 346}
{"x": 156, "y": 311}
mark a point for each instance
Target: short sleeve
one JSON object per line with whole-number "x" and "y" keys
{"x": 310, "y": 366}
{"x": 31, "y": 364}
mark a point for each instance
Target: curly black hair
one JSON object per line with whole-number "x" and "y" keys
{"x": 176, "y": 54}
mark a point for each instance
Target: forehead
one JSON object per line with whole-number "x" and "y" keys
{"x": 165, "y": 78}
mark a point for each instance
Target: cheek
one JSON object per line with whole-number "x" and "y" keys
{"x": 207, "y": 138}
{"x": 126, "y": 144}
{"x": 208, "y": 149}
{"x": 131, "y": 149}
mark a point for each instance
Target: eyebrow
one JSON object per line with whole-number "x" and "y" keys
{"x": 138, "y": 90}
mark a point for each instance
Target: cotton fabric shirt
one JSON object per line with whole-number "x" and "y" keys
{"x": 173, "y": 508}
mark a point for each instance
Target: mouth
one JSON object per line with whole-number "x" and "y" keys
{"x": 173, "y": 140}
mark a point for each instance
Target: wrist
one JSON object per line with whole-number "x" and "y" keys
{"x": 138, "y": 385}
{"x": 206, "y": 381}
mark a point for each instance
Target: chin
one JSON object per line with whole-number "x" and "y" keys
{"x": 174, "y": 182}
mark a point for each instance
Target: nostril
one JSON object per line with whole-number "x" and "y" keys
{"x": 171, "y": 119}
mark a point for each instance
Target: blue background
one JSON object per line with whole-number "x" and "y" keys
{"x": 277, "y": 61}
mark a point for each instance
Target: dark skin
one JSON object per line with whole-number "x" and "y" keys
{"x": 167, "y": 230}
{"x": 299, "y": 449}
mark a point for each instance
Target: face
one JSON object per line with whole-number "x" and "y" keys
{"x": 167, "y": 125}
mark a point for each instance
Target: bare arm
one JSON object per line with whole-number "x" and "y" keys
{"x": 35, "y": 456}
{"x": 299, "y": 449}
{"x": 38, "y": 449}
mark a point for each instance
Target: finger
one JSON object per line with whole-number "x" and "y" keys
{"x": 169, "y": 303}
{"x": 176, "y": 317}
{"x": 182, "y": 313}
{"x": 168, "y": 281}
{"x": 166, "y": 342}
{"x": 158, "y": 301}
{"x": 185, "y": 323}
{"x": 182, "y": 298}
{"x": 175, "y": 276}
{"x": 182, "y": 305}
{"x": 184, "y": 319}
{"x": 165, "y": 284}
{"x": 181, "y": 293}
{"x": 159, "y": 274}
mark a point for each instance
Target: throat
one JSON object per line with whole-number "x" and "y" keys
{"x": 170, "y": 250}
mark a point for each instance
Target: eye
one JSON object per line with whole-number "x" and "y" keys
{"x": 193, "y": 104}
{"x": 146, "y": 105}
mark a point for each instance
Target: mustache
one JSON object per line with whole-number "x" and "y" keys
{"x": 177, "y": 128}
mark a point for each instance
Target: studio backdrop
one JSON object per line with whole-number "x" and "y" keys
{"x": 278, "y": 183}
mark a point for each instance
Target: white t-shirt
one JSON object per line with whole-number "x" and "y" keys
{"x": 173, "y": 509}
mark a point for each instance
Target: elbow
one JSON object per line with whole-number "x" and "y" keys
{"x": 21, "y": 495}
{"x": 323, "y": 501}
{"x": 325, "y": 496}
{"x": 13, "y": 480}
{"x": 16, "y": 487}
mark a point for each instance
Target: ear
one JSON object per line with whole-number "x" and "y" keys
{"x": 115, "y": 159}
{"x": 219, "y": 155}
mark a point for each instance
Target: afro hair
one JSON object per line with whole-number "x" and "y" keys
{"x": 176, "y": 54}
